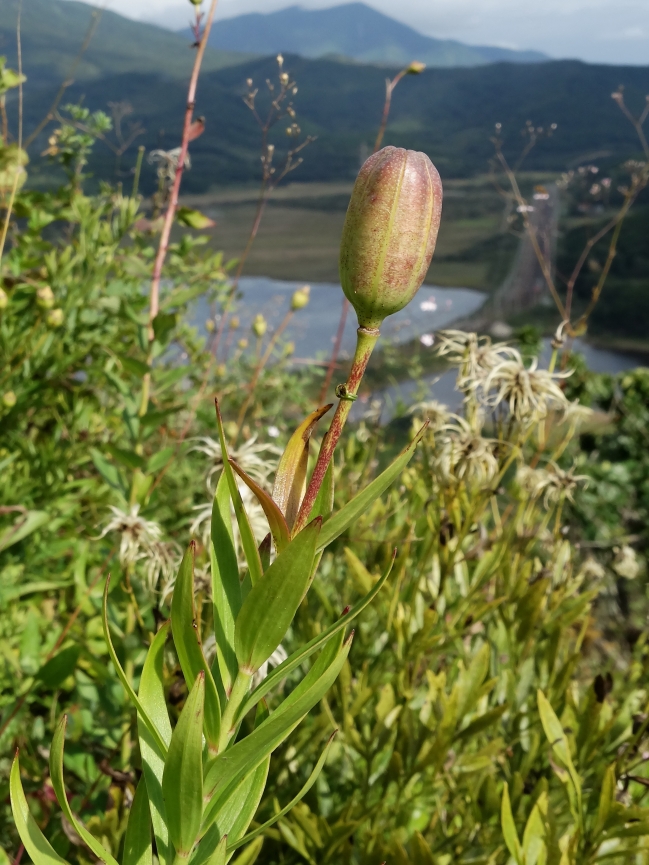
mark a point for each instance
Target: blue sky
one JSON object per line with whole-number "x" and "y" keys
{"x": 605, "y": 31}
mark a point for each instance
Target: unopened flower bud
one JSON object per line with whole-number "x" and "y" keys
{"x": 283, "y": 78}
{"x": 209, "y": 325}
{"x": 390, "y": 232}
{"x": 259, "y": 325}
{"x": 196, "y": 2}
{"x": 4, "y": 299}
{"x": 9, "y": 399}
{"x": 45, "y": 297}
{"x": 234, "y": 322}
{"x": 415, "y": 68}
{"x": 54, "y": 318}
{"x": 243, "y": 343}
{"x": 300, "y": 297}
{"x": 289, "y": 349}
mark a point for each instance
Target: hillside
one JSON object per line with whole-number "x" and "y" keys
{"x": 52, "y": 32}
{"x": 449, "y": 113}
{"x": 352, "y": 30}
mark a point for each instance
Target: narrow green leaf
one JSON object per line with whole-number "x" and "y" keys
{"x": 193, "y": 218}
{"x": 137, "y": 842}
{"x": 298, "y": 658}
{"x": 313, "y": 777}
{"x": 124, "y": 680}
{"x": 152, "y": 697}
{"x": 247, "y": 537}
{"x": 23, "y": 527}
{"x": 108, "y": 471}
{"x": 127, "y": 458}
{"x": 38, "y": 848}
{"x": 509, "y": 828}
{"x": 219, "y": 857}
{"x": 236, "y": 813}
{"x": 324, "y": 503}
{"x": 159, "y": 461}
{"x": 182, "y": 781}
{"x": 250, "y": 854}
{"x": 136, "y": 367}
{"x": 350, "y": 512}
{"x": 290, "y": 478}
{"x": 226, "y": 586}
{"x": 606, "y": 799}
{"x": 534, "y": 846}
{"x": 271, "y": 605}
{"x": 55, "y": 671}
{"x": 470, "y": 680}
{"x": 235, "y": 764}
{"x": 58, "y": 783}
{"x": 559, "y": 742}
{"x": 188, "y": 644}
{"x": 276, "y": 521}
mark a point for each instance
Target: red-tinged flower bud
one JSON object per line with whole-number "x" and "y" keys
{"x": 390, "y": 232}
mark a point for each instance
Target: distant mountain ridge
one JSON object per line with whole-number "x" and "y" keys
{"x": 52, "y": 32}
{"x": 352, "y": 30}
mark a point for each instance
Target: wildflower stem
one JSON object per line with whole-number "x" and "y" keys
{"x": 228, "y": 721}
{"x": 257, "y": 372}
{"x": 365, "y": 341}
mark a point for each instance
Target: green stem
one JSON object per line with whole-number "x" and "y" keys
{"x": 365, "y": 341}
{"x": 237, "y": 696}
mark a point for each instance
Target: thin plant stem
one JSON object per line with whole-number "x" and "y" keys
{"x": 138, "y": 169}
{"x": 154, "y": 296}
{"x": 389, "y": 89}
{"x": 365, "y": 341}
{"x": 14, "y": 186}
{"x": 257, "y": 372}
{"x": 94, "y": 22}
{"x": 333, "y": 362}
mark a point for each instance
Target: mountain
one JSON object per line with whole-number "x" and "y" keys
{"x": 353, "y": 30}
{"x": 448, "y": 113}
{"x": 52, "y": 32}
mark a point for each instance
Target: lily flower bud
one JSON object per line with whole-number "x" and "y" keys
{"x": 390, "y": 232}
{"x": 300, "y": 298}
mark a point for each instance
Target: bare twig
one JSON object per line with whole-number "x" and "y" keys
{"x": 154, "y": 294}
{"x": 94, "y": 22}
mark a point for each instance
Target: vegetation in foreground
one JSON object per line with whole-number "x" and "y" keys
{"x": 492, "y": 707}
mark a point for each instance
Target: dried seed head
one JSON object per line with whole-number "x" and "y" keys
{"x": 390, "y": 232}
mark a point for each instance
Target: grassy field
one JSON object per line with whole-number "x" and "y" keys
{"x": 300, "y": 232}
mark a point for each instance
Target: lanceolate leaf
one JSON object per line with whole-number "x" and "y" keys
{"x": 155, "y": 733}
{"x": 38, "y": 848}
{"x": 56, "y": 775}
{"x": 137, "y": 843}
{"x": 232, "y": 766}
{"x": 226, "y": 586}
{"x": 291, "y": 471}
{"x": 236, "y": 814}
{"x": 220, "y": 855}
{"x": 324, "y": 503}
{"x": 361, "y": 502}
{"x": 276, "y": 521}
{"x": 182, "y": 781}
{"x": 247, "y": 537}
{"x": 559, "y": 742}
{"x": 152, "y": 698}
{"x": 188, "y": 644}
{"x": 298, "y": 658}
{"x": 313, "y": 777}
{"x": 270, "y": 607}
{"x": 509, "y": 828}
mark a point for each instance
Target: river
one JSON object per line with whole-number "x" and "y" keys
{"x": 313, "y": 330}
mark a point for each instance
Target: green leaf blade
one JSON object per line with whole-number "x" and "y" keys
{"x": 39, "y": 849}
{"x": 182, "y": 780}
{"x": 137, "y": 842}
